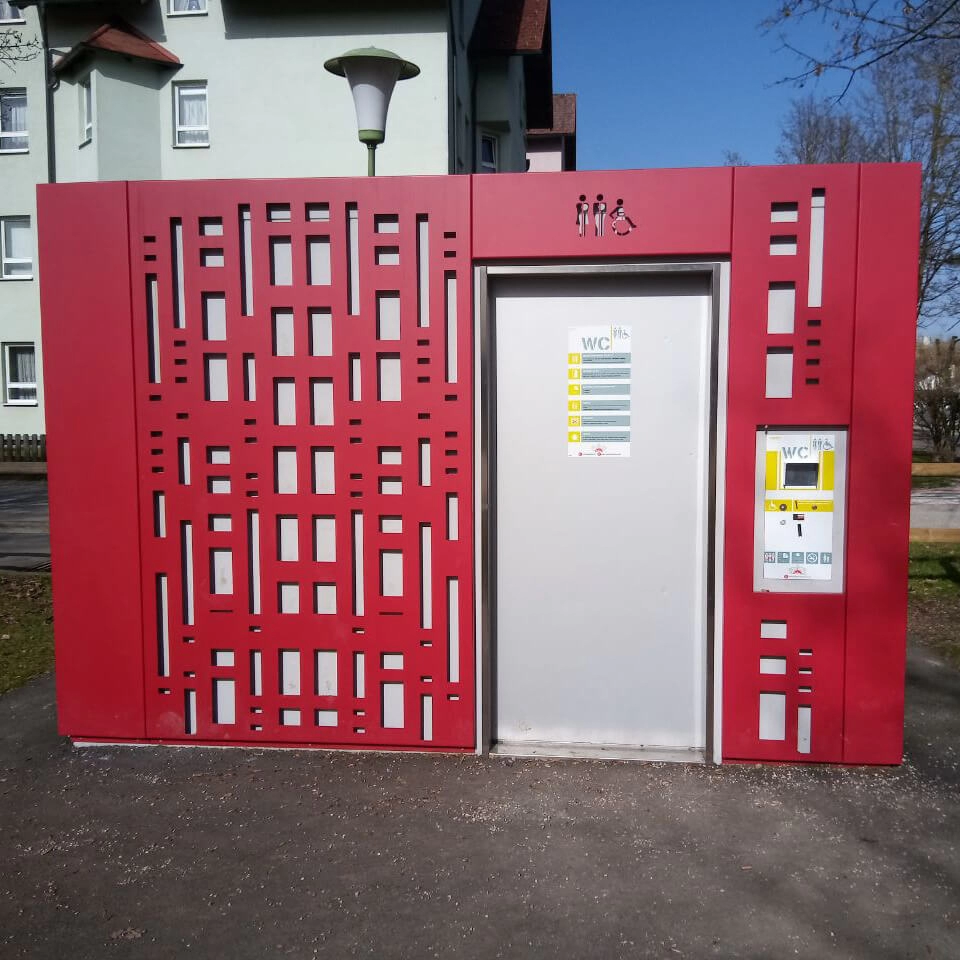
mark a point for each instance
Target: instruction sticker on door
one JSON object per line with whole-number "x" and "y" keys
{"x": 599, "y": 370}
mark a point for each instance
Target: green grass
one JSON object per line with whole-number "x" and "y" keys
{"x": 934, "y": 570}
{"x": 26, "y": 628}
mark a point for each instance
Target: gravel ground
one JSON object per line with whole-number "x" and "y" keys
{"x": 159, "y": 852}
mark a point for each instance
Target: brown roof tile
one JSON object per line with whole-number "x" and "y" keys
{"x": 564, "y": 117}
{"x": 510, "y": 26}
{"x": 118, "y": 36}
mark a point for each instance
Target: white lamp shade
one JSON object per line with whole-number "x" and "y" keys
{"x": 371, "y": 82}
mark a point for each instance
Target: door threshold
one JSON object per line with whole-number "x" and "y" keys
{"x": 597, "y": 751}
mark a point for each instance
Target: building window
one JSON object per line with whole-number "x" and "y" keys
{"x": 13, "y": 121}
{"x": 488, "y": 154}
{"x": 9, "y": 13}
{"x": 19, "y": 374}
{"x": 86, "y": 110}
{"x": 191, "y": 120}
{"x": 16, "y": 255}
{"x": 186, "y": 6}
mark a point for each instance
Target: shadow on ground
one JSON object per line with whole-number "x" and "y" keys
{"x": 152, "y": 852}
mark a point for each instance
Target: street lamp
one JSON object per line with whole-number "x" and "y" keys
{"x": 372, "y": 74}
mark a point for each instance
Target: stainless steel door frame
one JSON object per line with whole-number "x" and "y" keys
{"x": 716, "y": 272}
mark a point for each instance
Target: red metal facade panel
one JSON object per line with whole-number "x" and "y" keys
{"x": 664, "y": 213}
{"x": 771, "y": 215}
{"x": 881, "y": 451}
{"x": 85, "y": 297}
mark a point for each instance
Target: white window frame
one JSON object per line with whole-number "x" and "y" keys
{"x": 178, "y": 88}
{"x": 495, "y": 141}
{"x": 14, "y": 134}
{"x": 204, "y": 9}
{"x": 9, "y": 385}
{"x": 5, "y": 260}
{"x": 85, "y": 109}
{"x": 19, "y": 19}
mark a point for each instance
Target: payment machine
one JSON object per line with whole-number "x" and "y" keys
{"x": 801, "y": 479}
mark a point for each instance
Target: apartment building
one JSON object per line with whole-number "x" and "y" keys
{"x": 202, "y": 89}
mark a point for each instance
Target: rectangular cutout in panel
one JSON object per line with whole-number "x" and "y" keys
{"x": 183, "y": 461}
{"x": 325, "y": 598}
{"x": 779, "y": 380}
{"x": 773, "y": 665}
{"x": 246, "y": 262}
{"x": 278, "y": 212}
{"x": 220, "y": 524}
{"x": 186, "y": 568}
{"x": 321, "y": 402}
{"x": 353, "y": 260}
{"x": 288, "y": 595}
{"x": 387, "y": 256}
{"x": 323, "y": 470}
{"x": 423, "y": 271}
{"x": 388, "y": 316}
{"x": 359, "y": 676}
{"x": 450, "y": 296}
{"x": 391, "y": 661}
{"x": 773, "y": 716}
{"x": 390, "y": 456}
{"x": 357, "y": 563}
{"x": 224, "y": 701}
{"x": 176, "y": 268}
{"x": 784, "y": 212}
{"x": 284, "y": 344}
{"x": 424, "y": 450}
{"x": 284, "y": 403}
{"x": 355, "y": 391}
{"x": 289, "y": 718}
{"x": 426, "y": 716}
{"x": 391, "y": 486}
{"x": 281, "y": 262}
{"x": 189, "y": 711}
{"x": 256, "y": 673}
{"x": 781, "y": 307}
{"x": 321, "y": 333}
{"x": 249, "y": 377}
{"x": 386, "y": 223}
{"x": 783, "y": 246}
{"x": 211, "y": 257}
{"x": 453, "y": 629}
{"x": 159, "y": 514}
{"x": 453, "y": 516}
{"x": 285, "y": 469}
{"x": 163, "y": 626}
{"x": 391, "y": 573}
{"x": 815, "y": 274}
{"x": 324, "y": 539}
{"x": 215, "y": 377}
{"x": 388, "y": 377}
{"x": 218, "y": 455}
{"x": 391, "y": 524}
{"x": 253, "y": 560}
{"x": 223, "y": 658}
{"x": 153, "y": 331}
{"x": 290, "y": 673}
{"x": 326, "y": 673}
{"x": 426, "y": 576}
{"x": 325, "y": 718}
{"x": 804, "y": 717}
{"x": 221, "y": 571}
{"x": 211, "y": 227}
{"x": 392, "y": 702}
{"x": 773, "y": 629}
{"x": 218, "y": 484}
{"x": 288, "y": 539}
{"x": 317, "y": 212}
{"x": 318, "y": 261}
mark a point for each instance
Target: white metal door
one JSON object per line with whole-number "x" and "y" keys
{"x": 600, "y": 629}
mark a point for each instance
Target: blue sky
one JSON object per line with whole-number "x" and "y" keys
{"x": 675, "y": 83}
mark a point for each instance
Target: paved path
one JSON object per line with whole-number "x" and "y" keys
{"x": 936, "y": 507}
{"x": 24, "y": 524}
{"x": 153, "y": 853}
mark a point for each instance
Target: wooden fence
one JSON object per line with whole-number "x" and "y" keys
{"x": 23, "y": 448}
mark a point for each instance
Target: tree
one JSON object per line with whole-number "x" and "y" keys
{"x": 16, "y": 48}
{"x": 818, "y": 131}
{"x": 867, "y": 32}
{"x": 936, "y": 400}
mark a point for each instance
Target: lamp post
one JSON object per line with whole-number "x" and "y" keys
{"x": 372, "y": 74}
